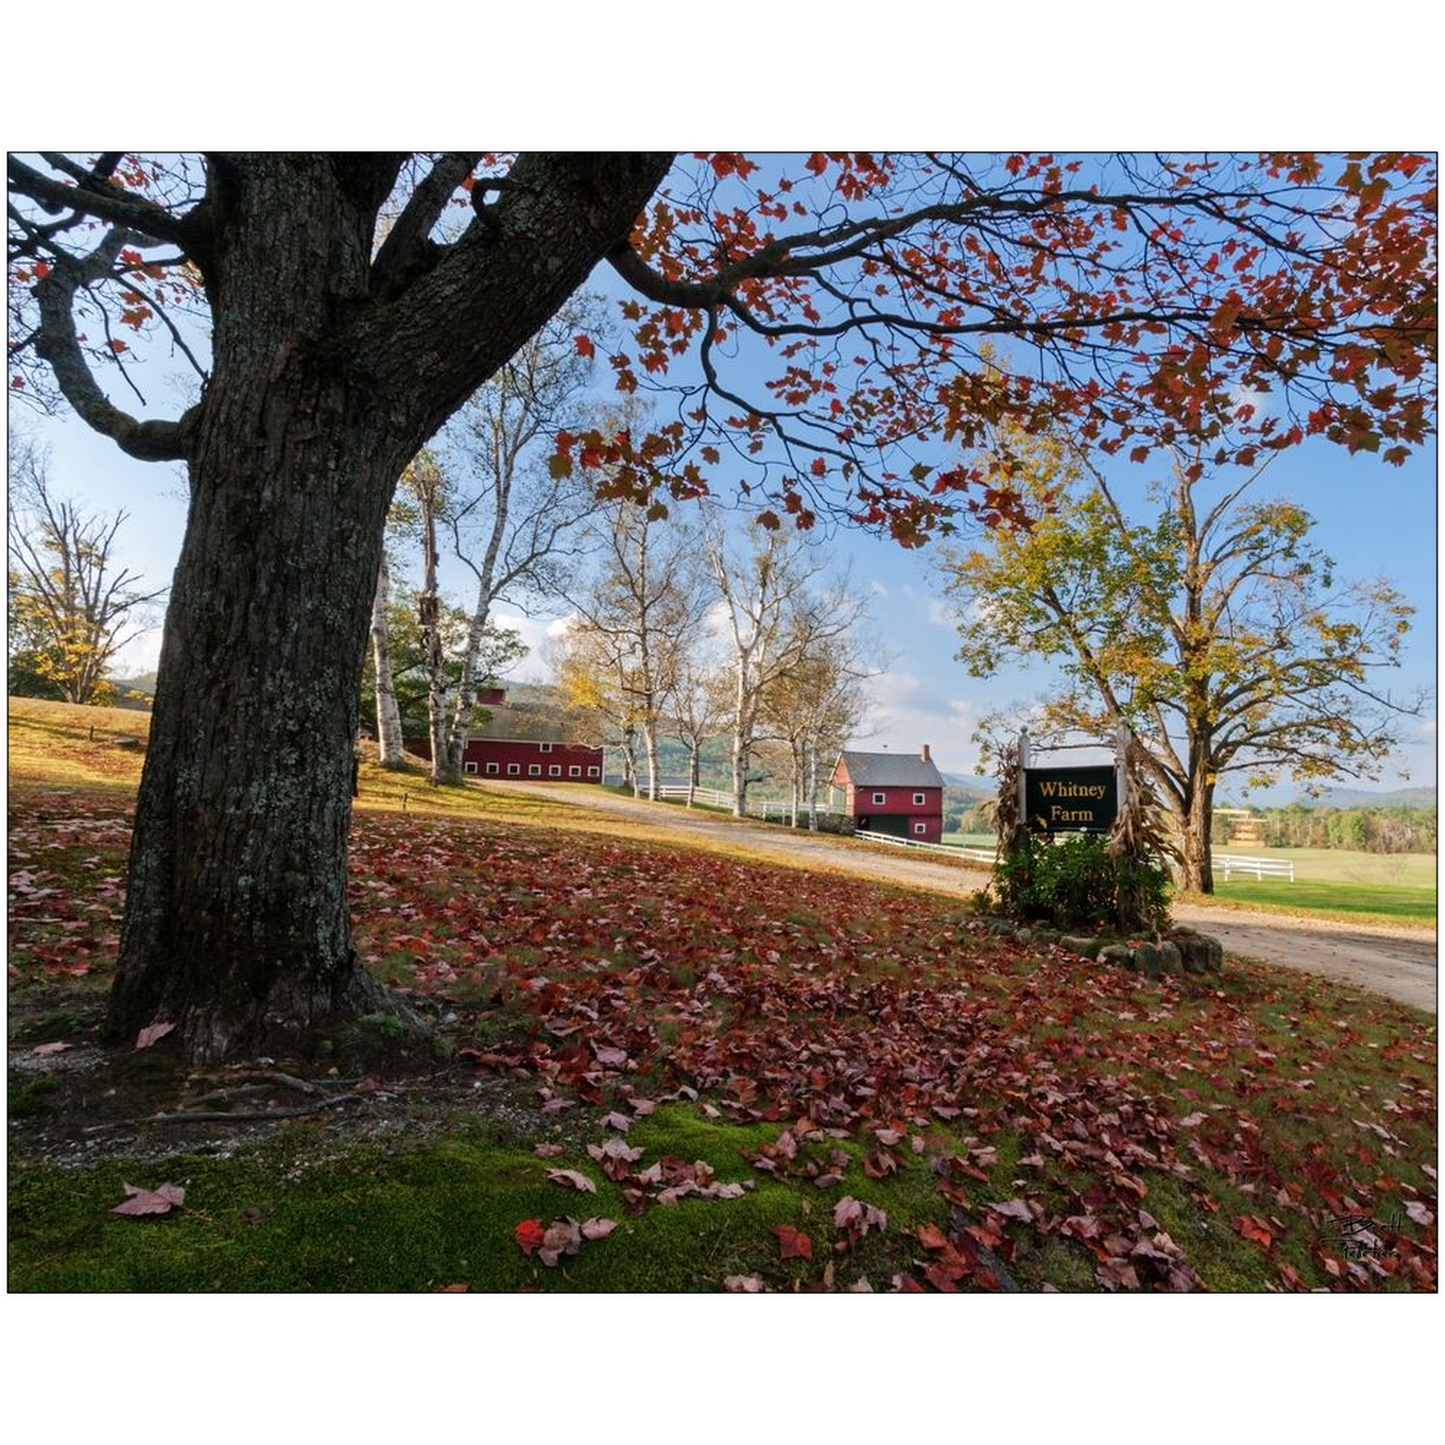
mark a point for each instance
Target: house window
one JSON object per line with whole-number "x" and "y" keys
{"x": 469, "y": 767}
{"x": 594, "y": 772}
{"x": 919, "y": 798}
{"x": 880, "y": 797}
{"x": 534, "y": 770}
{"x": 513, "y": 769}
{"x": 554, "y": 771}
{"x": 574, "y": 771}
{"x": 921, "y": 828}
{"x": 544, "y": 747}
{"x": 491, "y": 770}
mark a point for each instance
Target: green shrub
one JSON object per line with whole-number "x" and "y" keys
{"x": 1075, "y": 884}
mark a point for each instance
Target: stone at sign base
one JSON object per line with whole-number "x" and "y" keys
{"x": 1183, "y": 950}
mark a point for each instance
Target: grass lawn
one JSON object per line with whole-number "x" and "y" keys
{"x": 1377, "y": 900}
{"x": 1340, "y": 865}
{"x": 769, "y": 1078}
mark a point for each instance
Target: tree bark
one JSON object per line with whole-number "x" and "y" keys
{"x": 389, "y": 745}
{"x": 236, "y": 925}
{"x": 1196, "y": 849}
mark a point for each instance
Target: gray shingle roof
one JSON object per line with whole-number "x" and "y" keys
{"x": 889, "y": 770}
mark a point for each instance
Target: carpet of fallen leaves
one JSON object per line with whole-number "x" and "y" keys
{"x": 1293, "y": 1117}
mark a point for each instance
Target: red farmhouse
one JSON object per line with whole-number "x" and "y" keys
{"x": 892, "y": 793}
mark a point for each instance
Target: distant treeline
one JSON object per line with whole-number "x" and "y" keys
{"x": 1363, "y": 830}
{"x": 1366, "y": 830}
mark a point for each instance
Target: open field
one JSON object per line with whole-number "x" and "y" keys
{"x": 1342, "y": 865}
{"x": 826, "y": 1082}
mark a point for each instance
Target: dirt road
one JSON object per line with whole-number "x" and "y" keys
{"x": 1399, "y": 963}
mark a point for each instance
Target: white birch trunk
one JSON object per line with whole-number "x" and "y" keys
{"x": 388, "y": 715}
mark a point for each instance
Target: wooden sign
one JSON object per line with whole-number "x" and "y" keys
{"x": 1070, "y": 800}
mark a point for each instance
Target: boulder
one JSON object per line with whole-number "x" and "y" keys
{"x": 1148, "y": 961}
{"x": 1118, "y": 954}
{"x": 1170, "y": 959}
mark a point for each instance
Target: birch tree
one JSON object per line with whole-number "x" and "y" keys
{"x": 818, "y": 704}
{"x": 775, "y": 625}
{"x": 389, "y": 742}
{"x": 513, "y": 524}
{"x": 643, "y": 606}
{"x": 698, "y": 702}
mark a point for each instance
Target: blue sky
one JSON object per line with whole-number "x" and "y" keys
{"x": 1375, "y": 520}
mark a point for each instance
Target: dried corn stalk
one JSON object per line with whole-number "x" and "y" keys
{"x": 1008, "y": 824}
{"x": 1141, "y": 830}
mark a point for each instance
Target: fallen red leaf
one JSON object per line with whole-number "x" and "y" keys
{"x": 147, "y": 1036}
{"x": 572, "y": 1179}
{"x": 160, "y": 1200}
{"x": 529, "y": 1235}
{"x": 793, "y": 1243}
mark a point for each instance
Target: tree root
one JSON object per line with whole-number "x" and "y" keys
{"x": 190, "y": 1114}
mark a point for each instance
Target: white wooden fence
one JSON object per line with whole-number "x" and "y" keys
{"x": 975, "y": 855}
{"x": 1258, "y": 868}
{"x": 711, "y": 796}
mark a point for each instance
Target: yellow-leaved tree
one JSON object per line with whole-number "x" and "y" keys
{"x": 1207, "y": 621}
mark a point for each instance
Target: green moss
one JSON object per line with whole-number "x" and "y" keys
{"x": 28, "y": 1097}
{"x": 441, "y": 1215}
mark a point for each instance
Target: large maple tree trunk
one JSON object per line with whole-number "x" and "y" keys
{"x": 1196, "y": 860}
{"x": 236, "y": 926}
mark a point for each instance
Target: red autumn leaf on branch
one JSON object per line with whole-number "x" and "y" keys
{"x": 584, "y": 346}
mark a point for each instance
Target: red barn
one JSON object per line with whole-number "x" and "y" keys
{"x": 553, "y": 762}
{"x": 892, "y": 793}
{"x": 519, "y": 758}
{"x": 492, "y": 754}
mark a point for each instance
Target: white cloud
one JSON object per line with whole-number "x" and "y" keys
{"x": 904, "y": 713}
{"x": 534, "y": 632}
{"x": 878, "y": 588}
{"x": 940, "y": 614}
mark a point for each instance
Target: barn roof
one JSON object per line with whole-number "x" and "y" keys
{"x": 888, "y": 770}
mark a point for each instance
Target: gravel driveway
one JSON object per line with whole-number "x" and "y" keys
{"x": 1399, "y": 963}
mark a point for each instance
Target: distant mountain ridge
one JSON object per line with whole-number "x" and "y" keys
{"x": 1363, "y": 798}
{"x": 972, "y": 783}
